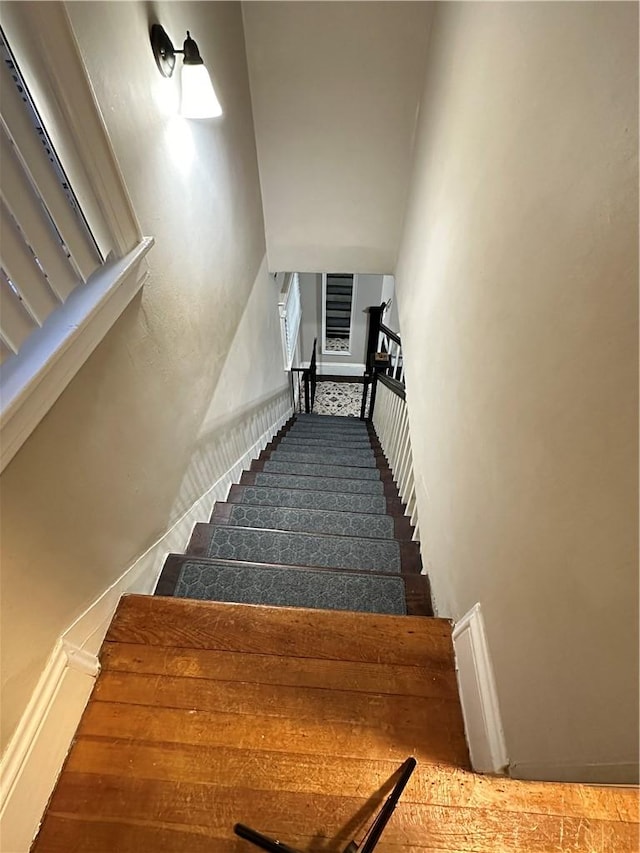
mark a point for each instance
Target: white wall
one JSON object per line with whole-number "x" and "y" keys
{"x": 176, "y": 389}
{"x": 517, "y": 282}
{"x": 335, "y": 90}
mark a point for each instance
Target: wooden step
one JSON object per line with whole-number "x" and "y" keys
{"x": 335, "y": 635}
{"x": 294, "y": 722}
{"x": 330, "y": 819}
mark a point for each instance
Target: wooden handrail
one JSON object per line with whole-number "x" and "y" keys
{"x": 389, "y": 333}
{"x": 393, "y": 385}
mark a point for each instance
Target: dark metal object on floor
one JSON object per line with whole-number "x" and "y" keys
{"x": 372, "y": 836}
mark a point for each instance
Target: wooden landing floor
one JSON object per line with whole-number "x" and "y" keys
{"x": 294, "y": 721}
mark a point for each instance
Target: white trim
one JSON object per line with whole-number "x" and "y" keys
{"x": 337, "y": 368}
{"x": 36, "y": 752}
{"x": 81, "y": 659}
{"x": 346, "y": 353}
{"x": 51, "y": 357}
{"x": 611, "y": 773}
{"x": 478, "y": 695}
{"x": 290, "y": 311}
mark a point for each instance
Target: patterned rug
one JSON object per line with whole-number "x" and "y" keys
{"x": 338, "y": 398}
{"x": 337, "y": 345}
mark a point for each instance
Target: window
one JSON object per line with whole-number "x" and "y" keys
{"x": 338, "y": 297}
{"x": 64, "y": 279}
{"x": 47, "y": 247}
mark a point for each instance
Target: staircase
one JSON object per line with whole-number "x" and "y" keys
{"x": 294, "y": 718}
{"x": 316, "y": 523}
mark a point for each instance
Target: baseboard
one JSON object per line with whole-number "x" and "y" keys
{"x": 33, "y": 760}
{"x": 617, "y": 773}
{"x": 337, "y": 368}
{"x": 37, "y": 751}
{"x": 482, "y": 723}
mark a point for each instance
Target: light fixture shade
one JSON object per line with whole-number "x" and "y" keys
{"x": 198, "y": 96}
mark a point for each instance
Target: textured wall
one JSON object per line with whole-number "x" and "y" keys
{"x": 335, "y": 90}
{"x": 517, "y": 284}
{"x": 158, "y": 409}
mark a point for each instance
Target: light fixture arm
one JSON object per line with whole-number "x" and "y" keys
{"x": 198, "y": 99}
{"x": 165, "y": 53}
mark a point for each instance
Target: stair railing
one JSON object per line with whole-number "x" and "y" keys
{"x": 391, "y": 423}
{"x": 309, "y": 379}
{"x": 383, "y": 361}
{"x": 384, "y": 403}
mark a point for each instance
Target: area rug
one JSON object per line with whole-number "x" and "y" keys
{"x": 338, "y": 398}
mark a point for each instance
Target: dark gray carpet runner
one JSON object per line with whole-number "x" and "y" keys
{"x": 308, "y": 499}
{"x": 275, "y": 479}
{"x": 247, "y": 584}
{"x": 308, "y": 526}
{"x": 312, "y": 521}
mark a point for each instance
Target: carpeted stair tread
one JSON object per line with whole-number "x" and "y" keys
{"x": 306, "y": 520}
{"x": 344, "y": 444}
{"x": 342, "y": 424}
{"x": 319, "y": 432}
{"x": 327, "y": 455}
{"x": 331, "y": 420}
{"x": 317, "y": 469}
{"x": 285, "y": 586}
{"x": 308, "y": 481}
{"x": 316, "y": 523}
{"x": 291, "y": 446}
{"x": 302, "y": 549}
{"x": 300, "y": 498}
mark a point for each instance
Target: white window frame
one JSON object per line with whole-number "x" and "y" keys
{"x": 339, "y": 353}
{"x": 43, "y": 41}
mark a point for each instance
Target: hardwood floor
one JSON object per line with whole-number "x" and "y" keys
{"x": 294, "y": 722}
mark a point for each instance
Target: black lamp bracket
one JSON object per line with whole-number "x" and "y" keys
{"x": 165, "y": 54}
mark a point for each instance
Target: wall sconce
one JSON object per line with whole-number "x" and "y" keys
{"x": 198, "y": 98}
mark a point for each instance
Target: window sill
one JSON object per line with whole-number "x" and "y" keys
{"x": 31, "y": 383}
